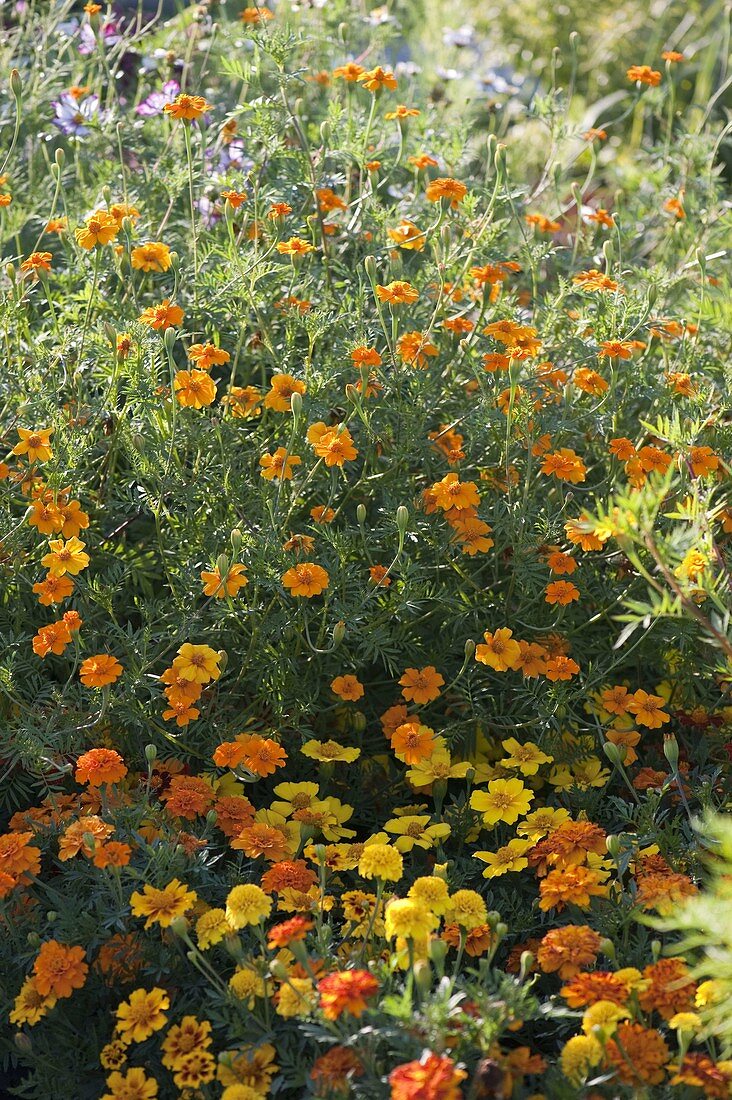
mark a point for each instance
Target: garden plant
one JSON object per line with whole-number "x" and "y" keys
{"x": 365, "y": 552}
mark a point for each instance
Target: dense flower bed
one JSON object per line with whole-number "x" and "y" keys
{"x": 365, "y": 566}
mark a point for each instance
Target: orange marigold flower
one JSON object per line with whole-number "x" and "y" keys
{"x": 408, "y": 236}
{"x": 53, "y": 589}
{"x": 561, "y": 668}
{"x": 668, "y": 988}
{"x": 644, "y": 74}
{"x": 346, "y": 991}
{"x": 445, "y": 187}
{"x": 59, "y": 969}
{"x": 37, "y": 261}
{"x": 347, "y": 687}
{"x": 306, "y": 579}
{"x": 375, "y": 80}
{"x": 333, "y": 445}
{"x": 413, "y": 742}
{"x": 421, "y": 685}
{"x": 99, "y": 766}
{"x": 194, "y": 389}
{"x": 161, "y": 317}
{"x": 414, "y": 348}
{"x": 639, "y": 1057}
{"x": 153, "y": 256}
{"x": 453, "y": 493}
{"x": 568, "y": 950}
{"x": 100, "y": 670}
{"x": 648, "y": 709}
{"x": 262, "y": 755}
{"x": 570, "y": 885}
{"x": 52, "y": 638}
{"x": 700, "y": 1072}
{"x": 561, "y": 592}
{"x": 500, "y": 652}
{"x": 220, "y": 587}
{"x": 565, "y": 465}
{"x": 188, "y": 796}
{"x": 263, "y": 840}
{"x": 101, "y": 228}
{"x": 283, "y": 386}
{"x": 187, "y": 107}
{"x": 598, "y": 985}
{"x": 296, "y": 246}
{"x": 350, "y": 72}
{"x": 289, "y": 931}
{"x": 279, "y": 465}
{"x": 433, "y": 1077}
{"x": 397, "y": 293}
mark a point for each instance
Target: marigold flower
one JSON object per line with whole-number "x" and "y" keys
{"x": 142, "y": 1015}
{"x": 65, "y": 557}
{"x": 433, "y": 1077}
{"x": 579, "y": 1056}
{"x": 561, "y": 592}
{"x": 347, "y": 687}
{"x": 505, "y": 800}
{"x": 187, "y": 107}
{"x": 467, "y": 909}
{"x": 100, "y": 670}
{"x": 262, "y": 755}
{"x": 306, "y": 579}
{"x": 445, "y": 187}
{"x": 162, "y": 906}
{"x": 198, "y": 663}
{"x": 247, "y": 904}
{"x": 37, "y": 262}
{"x": 35, "y": 445}
{"x": 648, "y": 709}
{"x": 568, "y": 950}
{"x": 279, "y": 465}
{"x": 375, "y": 80}
{"x": 639, "y": 1056}
{"x": 421, "y": 685}
{"x": 161, "y": 317}
{"x": 30, "y": 1005}
{"x": 570, "y": 885}
{"x": 221, "y": 587}
{"x": 397, "y": 293}
{"x": 153, "y": 256}
{"x": 346, "y": 991}
{"x": 414, "y": 348}
{"x": 644, "y": 74}
{"x": 101, "y": 228}
{"x": 283, "y": 387}
{"x": 333, "y": 445}
{"x": 194, "y": 389}
{"x": 500, "y": 652}
{"x": 99, "y": 766}
{"x": 381, "y": 861}
{"x": 58, "y": 969}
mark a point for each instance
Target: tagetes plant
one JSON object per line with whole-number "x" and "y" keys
{"x": 366, "y": 658}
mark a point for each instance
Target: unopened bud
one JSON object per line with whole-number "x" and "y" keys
{"x": 361, "y": 514}
{"x": 370, "y": 267}
{"x": 51, "y": 915}
{"x": 23, "y": 1042}
{"x": 111, "y": 334}
{"x": 656, "y": 946}
{"x": 608, "y": 252}
{"x": 671, "y": 750}
{"x": 402, "y": 518}
{"x": 278, "y": 970}
{"x": 615, "y": 753}
{"x": 235, "y": 538}
{"x": 501, "y": 930}
{"x": 526, "y": 963}
{"x": 59, "y": 157}
{"x": 223, "y": 659}
{"x": 493, "y": 918}
{"x": 437, "y": 952}
{"x": 469, "y": 648}
{"x": 324, "y": 131}
{"x": 423, "y": 975}
{"x": 169, "y": 338}
{"x": 607, "y": 947}
{"x": 222, "y": 565}
{"x": 296, "y": 405}
{"x": 179, "y": 925}
{"x": 339, "y": 632}
{"x": 10, "y": 272}
{"x": 612, "y": 843}
{"x": 16, "y": 84}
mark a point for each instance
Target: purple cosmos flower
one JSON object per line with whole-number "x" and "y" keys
{"x": 234, "y": 157}
{"x": 73, "y": 116}
{"x": 111, "y": 34}
{"x": 156, "y": 101}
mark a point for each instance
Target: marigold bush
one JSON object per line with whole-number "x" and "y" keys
{"x": 365, "y": 562}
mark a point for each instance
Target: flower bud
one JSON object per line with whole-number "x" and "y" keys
{"x": 423, "y": 975}
{"x": 169, "y": 338}
{"x": 10, "y": 272}
{"x": 179, "y": 925}
{"x": 361, "y": 514}
{"x": 59, "y": 157}
{"x": 370, "y": 268}
{"x": 656, "y": 950}
{"x": 235, "y": 538}
{"x": 402, "y": 518}
{"x": 324, "y": 131}
{"x": 16, "y": 84}
{"x": 51, "y": 915}
{"x": 671, "y": 750}
{"x": 493, "y": 918}
{"x": 222, "y": 565}
{"x": 296, "y": 405}
{"x": 608, "y": 252}
{"x": 437, "y": 952}
{"x": 33, "y": 939}
{"x": 278, "y": 970}
{"x": 527, "y": 963}
{"x": 23, "y": 1042}
{"x": 607, "y": 947}
{"x": 339, "y": 632}
{"x": 615, "y": 753}
{"x": 223, "y": 659}
{"x": 612, "y": 843}
{"x": 151, "y": 754}
{"x": 469, "y": 648}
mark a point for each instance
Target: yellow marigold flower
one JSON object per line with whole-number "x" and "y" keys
{"x": 153, "y": 256}
{"x": 375, "y": 80}
{"x": 65, "y": 557}
{"x": 247, "y": 985}
{"x": 247, "y": 904}
{"x": 132, "y": 1085}
{"x": 162, "y": 906}
{"x": 101, "y": 228}
{"x": 432, "y": 892}
{"x": 296, "y": 246}
{"x": 381, "y": 861}
{"x": 505, "y": 800}
{"x": 142, "y": 1015}
{"x": 198, "y": 663}
{"x": 409, "y": 918}
{"x": 468, "y": 909}
{"x": 527, "y": 757}
{"x": 329, "y": 751}
{"x": 414, "y": 830}
{"x": 511, "y": 857}
{"x": 35, "y": 445}
{"x": 579, "y": 1057}
{"x": 211, "y": 928}
{"x": 30, "y": 1005}
{"x": 500, "y": 651}
{"x": 408, "y": 236}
